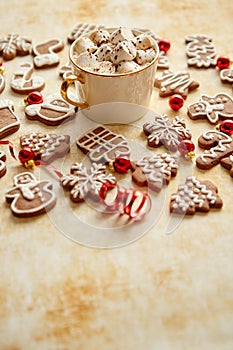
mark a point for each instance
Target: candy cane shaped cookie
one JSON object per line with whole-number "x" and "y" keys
{"x": 217, "y": 145}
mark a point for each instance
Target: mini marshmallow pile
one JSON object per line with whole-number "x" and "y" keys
{"x": 115, "y": 53}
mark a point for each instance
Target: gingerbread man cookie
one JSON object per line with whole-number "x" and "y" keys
{"x": 30, "y": 197}
{"x": 82, "y": 29}
{"x": 2, "y": 163}
{"x": 200, "y": 51}
{"x": 195, "y": 195}
{"x": 217, "y": 145}
{"x": 227, "y": 163}
{"x": 171, "y": 83}
{"x": 13, "y": 45}
{"x": 46, "y": 147}
{"x": 9, "y": 122}
{"x": 218, "y": 107}
{"x": 23, "y": 81}
{"x": 226, "y": 76}
{"x": 45, "y": 53}
{"x": 162, "y": 131}
{"x": 155, "y": 171}
{"x": 52, "y": 111}
{"x": 86, "y": 182}
{"x": 102, "y": 145}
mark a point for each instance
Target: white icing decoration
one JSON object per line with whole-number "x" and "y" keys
{"x": 29, "y": 190}
{"x": 225, "y": 142}
{"x": 85, "y": 180}
{"x": 170, "y": 132}
{"x": 9, "y": 104}
{"x": 226, "y": 75}
{"x": 180, "y": 80}
{"x": 200, "y": 51}
{"x": 189, "y": 195}
{"x": 2, "y": 82}
{"x": 46, "y": 59}
{"x": 2, "y": 162}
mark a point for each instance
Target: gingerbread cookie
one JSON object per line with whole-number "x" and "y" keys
{"x": 226, "y": 75}
{"x": 227, "y": 162}
{"x": 52, "y": 111}
{"x": 82, "y": 29}
{"x": 217, "y": 145}
{"x": 46, "y": 147}
{"x": 218, "y": 107}
{"x": 155, "y": 171}
{"x": 195, "y": 195}
{"x": 45, "y": 53}
{"x": 30, "y": 197}
{"x": 163, "y": 131}
{"x": 13, "y": 45}
{"x": 102, "y": 145}
{"x": 9, "y": 122}
{"x": 171, "y": 83}
{"x": 23, "y": 81}
{"x": 2, "y": 163}
{"x": 86, "y": 182}
{"x": 200, "y": 51}
{"x": 2, "y": 79}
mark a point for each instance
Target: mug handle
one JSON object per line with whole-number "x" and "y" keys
{"x": 71, "y": 79}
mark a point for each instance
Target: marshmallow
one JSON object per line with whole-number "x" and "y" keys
{"x": 143, "y": 42}
{"x": 85, "y": 45}
{"x": 120, "y": 35}
{"x": 99, "y": 36}
{"x": 87, "y": 60}
{"x": 104, "y": 52}
{"x": 146, "y": 56}
{"x": 124, "y": 51}
{"x": 126, "y": 67}
{"x": 105, "y": 67}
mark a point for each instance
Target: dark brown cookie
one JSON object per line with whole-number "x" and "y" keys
{"x": 195, "y": 196}
{"x": 30, "y": 197}
{"x": 102, "y": 145}
{"x": 155, "y": 171}
{"x": 9, "y": 122}
{"x": 46, "y": 147}
{"x": 163, "y": 131}
{"x": 52, "y": 111}
{"x": 170, "y": 83}
{"x": 217, "y": 145}
{"x": 86, "y": 182}
{"x": 218, "y": 107}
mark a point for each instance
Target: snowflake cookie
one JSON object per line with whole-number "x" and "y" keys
{"x": 86, "y": 182}
{"x": 218, "y": 107}
{"x": 155, "y": 171}
{"x": 200, "y": 51}
{"x": 163, "y": 131}
{"x": 13, "y": 45}
{"x": 171, "y": 83}
{"x": 194, "y": 196}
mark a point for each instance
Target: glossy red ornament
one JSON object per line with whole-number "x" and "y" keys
{"x": 223, "y": 62}
{"x": 25, "y": 155}
{"x": 227, "y": 127}
{"x": 185, "y": 147}
{"x": 176, "y": 102}
{"x": 107, "y": 186}
{"x": 34, "y": 97}
{"x": 164, "y": 45}
{"x": 121, "y": 165}
{"x": 0, "y": 63}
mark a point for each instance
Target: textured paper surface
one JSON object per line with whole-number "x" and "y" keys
{"x": 164, "y": 291}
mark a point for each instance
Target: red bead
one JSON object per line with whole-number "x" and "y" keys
{"x": 121, "y": 165}
{"x": 34, "y": 97}
{"x": 223, "y": 62}
{"x": 176, "y": 102}
{"x": 164, "y": 45}
{"x": 227, "y": 127}
{"x": 185, "y": 147}
{"x": 26, "y": 154}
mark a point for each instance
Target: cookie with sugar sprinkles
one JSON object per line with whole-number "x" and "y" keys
{"x": 195, "y": 196}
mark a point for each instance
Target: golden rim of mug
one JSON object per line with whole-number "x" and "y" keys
{"x": 113, "y": 75}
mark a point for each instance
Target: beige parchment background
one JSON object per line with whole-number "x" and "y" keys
{"x": 163, "y": 291}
